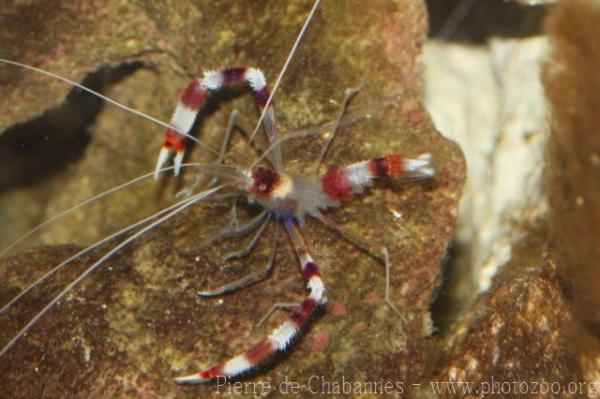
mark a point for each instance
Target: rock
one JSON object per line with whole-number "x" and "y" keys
{"x": 517, "y": 339}
{"x": 490, "y": 100}
{"x": 536, "y": 326}
{"x": 571, "y": 81}
{"x": 134, "y": 325}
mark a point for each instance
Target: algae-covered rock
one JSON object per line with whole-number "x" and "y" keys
{"x": 518, "y": 338}
{"x": 572, "y": 84}
{"x": 136, "y": 323}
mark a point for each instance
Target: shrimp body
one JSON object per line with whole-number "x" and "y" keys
{"x": 287, "y": 197}
{"x": 297, "y": 196}
{"x": 291, "y": 198}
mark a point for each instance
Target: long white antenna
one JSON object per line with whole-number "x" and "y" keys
{"x": 95, "y": 198}
{"x": 88, "y": 249}
{"x": 89, "y": 270}
{"x": 109, "y": 100}
{"x": 285, "y": 67}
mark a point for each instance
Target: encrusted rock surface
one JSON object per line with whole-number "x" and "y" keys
{"x": 518, "y": 339}
{"x": 136, "y": 324}
{"x": 572, "y": 83}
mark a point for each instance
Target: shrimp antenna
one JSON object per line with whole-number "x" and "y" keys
{"x": 94, "y": 246}
{"x": 457, "y": 16}
{"x": 287, "y": 137}
{"x": 309, "y": 18}
{"x": 108, "y": 100}
{"x": 189, "y": 202}
{"x": 104, "y": 194}
{"x": 324, "y": 130}
{"x": 88, "y": 249}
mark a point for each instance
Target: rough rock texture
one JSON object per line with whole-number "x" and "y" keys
{"x": 538, "y": 323}
{"x": 515, "y": 337}
{"x": 572, "y": 84}
{"x": 135, "y": 324}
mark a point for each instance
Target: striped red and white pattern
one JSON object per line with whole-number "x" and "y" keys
{"x": 192, "y": 99}
{"x": 281, "y": 338}
{"x": 340, "y": 183}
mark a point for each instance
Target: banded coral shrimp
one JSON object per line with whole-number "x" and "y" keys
{"x": 175, "y": 334}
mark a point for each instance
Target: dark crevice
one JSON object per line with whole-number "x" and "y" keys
{"x": 450, "y": 302}
{"x": 476, "y": 21}
{"x": 35, "y": 150}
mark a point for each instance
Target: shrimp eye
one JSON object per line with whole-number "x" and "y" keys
{"x": 264, "y": 180}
